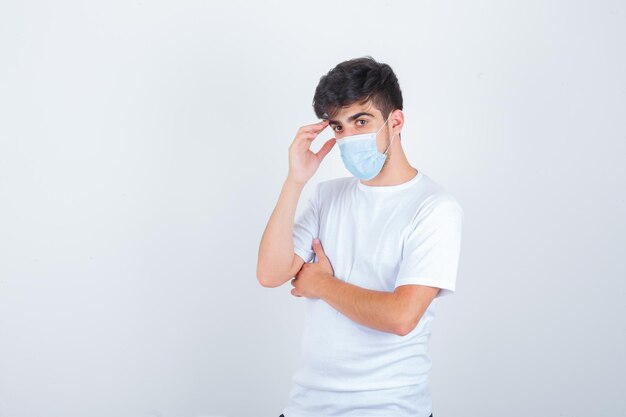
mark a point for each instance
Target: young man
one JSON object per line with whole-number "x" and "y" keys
{"x": 389, "y": 245}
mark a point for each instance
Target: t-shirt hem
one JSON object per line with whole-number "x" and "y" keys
{"x": 307, "y": 256}
{"x": 446, "y": 288}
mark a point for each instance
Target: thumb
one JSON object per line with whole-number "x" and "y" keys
{"x": 319, "y": 250}
{"x": 325, "y": 149}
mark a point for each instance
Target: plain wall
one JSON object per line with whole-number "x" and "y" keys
{"x": 143, "y": 146}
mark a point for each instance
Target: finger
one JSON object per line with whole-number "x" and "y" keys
{"x": 319, "y": 250}
{"x": 325, "y": 149}
{"x": 315, "y": 127}
{"x": 309, "y": 135}
{"x": 293, "y": 292}
{"x": 293, "y": 282}
{"x": 303, "y": 140}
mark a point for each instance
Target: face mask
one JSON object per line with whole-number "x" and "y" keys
{"x": 360, "y": 154}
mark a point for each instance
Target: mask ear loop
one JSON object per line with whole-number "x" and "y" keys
{"x": 392, "y": 137}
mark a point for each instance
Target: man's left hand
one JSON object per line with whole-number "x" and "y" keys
{"x": 307, "y": 282}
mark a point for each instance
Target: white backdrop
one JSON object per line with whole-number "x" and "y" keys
{"x": 143, "y": 146}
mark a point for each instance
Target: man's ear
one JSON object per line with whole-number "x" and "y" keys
{"x": 397, "y": 121}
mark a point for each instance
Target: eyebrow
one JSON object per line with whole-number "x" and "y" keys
{"x": 353, "y": 117}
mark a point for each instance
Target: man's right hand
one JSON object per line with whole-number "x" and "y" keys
{"x": 303, "y": 163}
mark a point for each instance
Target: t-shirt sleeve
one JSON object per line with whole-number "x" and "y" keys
{"x": 306, "y": 227}
{"x": 430, "y": 255}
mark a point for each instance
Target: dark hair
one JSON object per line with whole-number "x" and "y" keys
{"x": 357, "y": 80}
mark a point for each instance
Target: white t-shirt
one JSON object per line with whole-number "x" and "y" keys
{"x": 376, "y": 237}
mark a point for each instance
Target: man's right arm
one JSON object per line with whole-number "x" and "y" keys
{"x": 277, "y": 262}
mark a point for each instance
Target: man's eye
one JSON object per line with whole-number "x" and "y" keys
{"x": 337, "y": 128}
{"x": 361, "y": 124}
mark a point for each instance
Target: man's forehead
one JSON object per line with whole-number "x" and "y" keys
{"x": 346, "y": 113}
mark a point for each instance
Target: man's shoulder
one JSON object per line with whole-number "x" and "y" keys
{"x": 440, "y": 205}
{"x": 333, "y": 185}
{"x": 436, "y": 194}
{"x": 432, "y": 200}
{"x": 333, "y": 182}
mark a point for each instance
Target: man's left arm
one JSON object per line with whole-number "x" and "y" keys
{"x": 395, "y": 312}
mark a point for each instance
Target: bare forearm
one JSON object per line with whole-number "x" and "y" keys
{"x": 276, "y": 250}
{"x": 376, "y": 309}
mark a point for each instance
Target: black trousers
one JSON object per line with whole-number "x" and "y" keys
{"x": 282, "y": 415}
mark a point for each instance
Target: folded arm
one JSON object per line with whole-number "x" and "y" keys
{"x": 396, "y": 312}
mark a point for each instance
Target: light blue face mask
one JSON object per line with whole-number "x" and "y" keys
{"x": 360, "y": 154}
